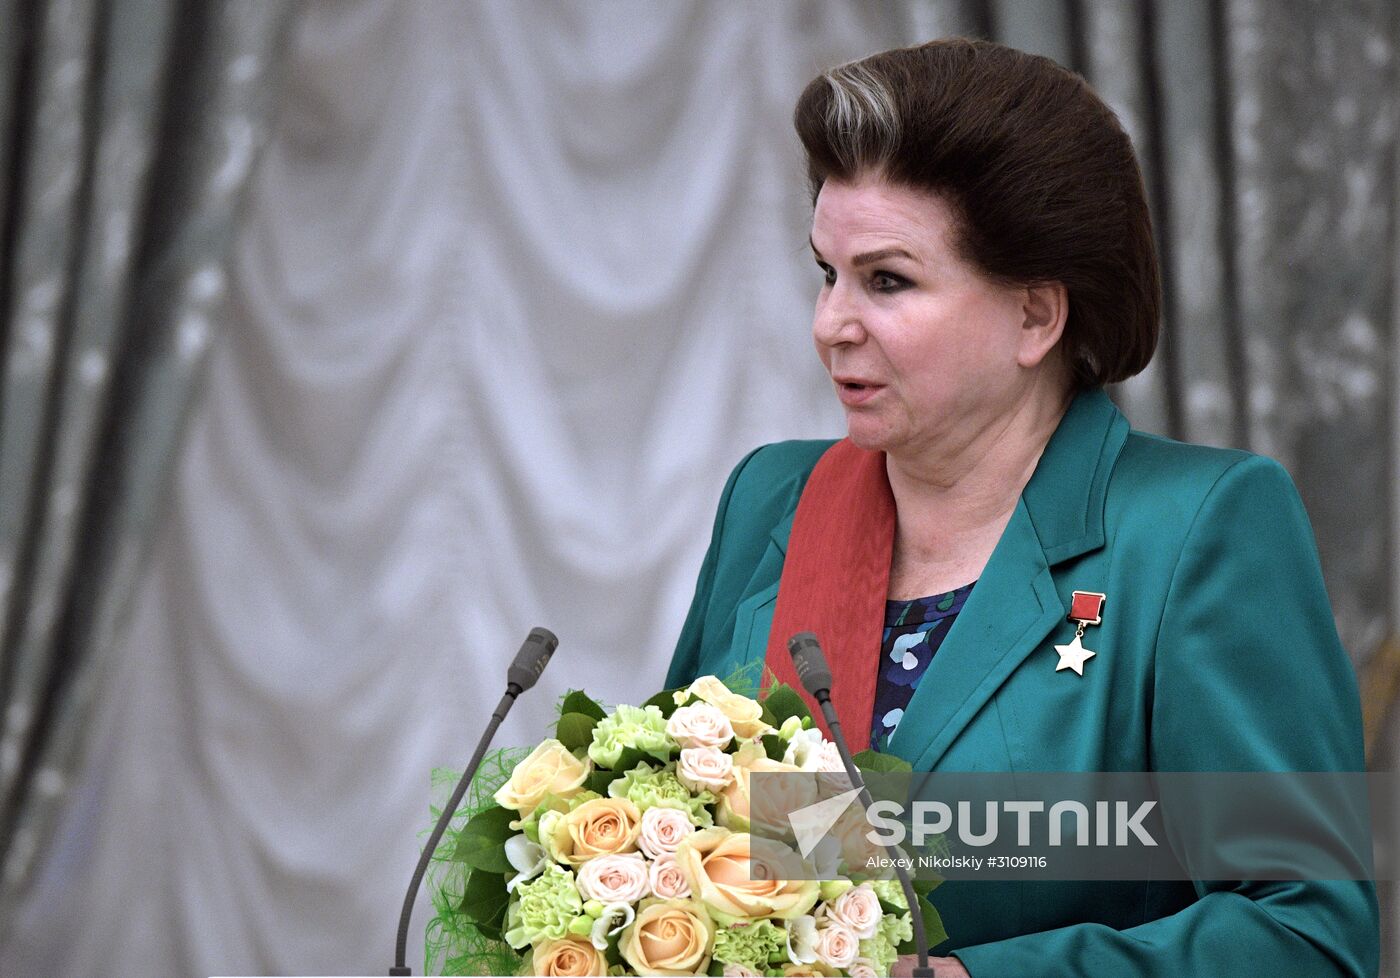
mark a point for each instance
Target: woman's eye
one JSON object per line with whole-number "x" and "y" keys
{"x": 885, "y": 282}
{"x": 828, "y": 273}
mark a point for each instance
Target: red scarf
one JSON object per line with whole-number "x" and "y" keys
{"x": 836, "y": 578}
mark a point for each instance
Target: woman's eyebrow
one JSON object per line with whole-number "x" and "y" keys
{"x": 868, "y": 257}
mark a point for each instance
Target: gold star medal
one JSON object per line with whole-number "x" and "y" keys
{"x": 1086, "y": 608}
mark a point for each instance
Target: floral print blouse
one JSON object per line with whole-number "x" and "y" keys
{"x": 914, "y": 630}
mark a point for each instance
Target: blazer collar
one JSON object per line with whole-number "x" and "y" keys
{"x": 1065, "y": 496}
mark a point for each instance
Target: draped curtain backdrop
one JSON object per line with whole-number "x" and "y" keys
{"x": 128, "y": 129}
{"x": 513, "y": 287}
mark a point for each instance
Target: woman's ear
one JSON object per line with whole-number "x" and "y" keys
{"x": 1045, "y": 307}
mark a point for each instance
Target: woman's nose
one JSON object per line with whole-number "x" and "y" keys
{"x": 836, "y": 319}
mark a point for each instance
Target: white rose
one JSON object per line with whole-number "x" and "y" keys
{"x": 739, "y": 971}
{"x": 859, "y": 909}
{"x": 705, "y": 767}
{"x": 666, "y": 879}
{"x": 700, "y": 725}
{"x": 615, "y": 878}
{"x": 863, "y": 968}
{"x": 837, "y": 945}
{"x": 663, "y": 830}
{"x": 550, "y": 769}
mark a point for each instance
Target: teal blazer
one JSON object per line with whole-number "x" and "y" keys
{"x": 1217, "y": 651}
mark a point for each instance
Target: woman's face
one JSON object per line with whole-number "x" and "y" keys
{"x": 924, "y": 351}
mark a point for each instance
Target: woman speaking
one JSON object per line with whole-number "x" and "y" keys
{"x": 1005, "y": 576}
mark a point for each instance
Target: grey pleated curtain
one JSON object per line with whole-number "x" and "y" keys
{"x": 127, "y": 130}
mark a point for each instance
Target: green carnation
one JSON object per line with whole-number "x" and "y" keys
{"x": 647, "y": 787}
{"x": 630, "y": 726}
{"x": 891, "y": 892}
{"x": 752, "y": 945}
{"x": 897, "y": 929}
{"x": 880, "y": 951}
{"x": 543, "y": 908}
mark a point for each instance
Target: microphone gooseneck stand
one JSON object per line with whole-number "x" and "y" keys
{"x": 815, "y": 676}
{"x": 524, "y": 671}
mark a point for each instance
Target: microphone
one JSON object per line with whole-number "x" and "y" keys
{"x": 531, "y": 659}
{"x": 529, "y": 662}
{"x": 815, "y": 676}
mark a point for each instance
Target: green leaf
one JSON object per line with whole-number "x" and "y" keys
{"x": 774, "y": 745}
{"x": 665, "y": 701}
{"x": 600, "y": 779}
{"x": 933, "y": 929}
{"x": 484, "y": 898}
{"x": 894, "y": 908}
{"x": 924, "y": 885}
{"x": 877, "y": 763}
{"x": 784, "y": 702}
{"x": 577, "y": 701}
{"x": 630, "y": 758}
{"x": 575, "y": 730}
{"x": 481, "y": 843}
{"x": 766, "y": 715}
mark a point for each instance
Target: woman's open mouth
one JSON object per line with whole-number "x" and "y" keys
{"x": 855, "y": 392}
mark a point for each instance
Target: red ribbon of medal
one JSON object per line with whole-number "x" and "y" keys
{"x": 1086, "y": 608}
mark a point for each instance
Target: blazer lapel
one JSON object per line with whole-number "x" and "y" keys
{"x": 1015, "y": 604}
{"x": 1012, "y": 608}
{"x": 754, "y": 613}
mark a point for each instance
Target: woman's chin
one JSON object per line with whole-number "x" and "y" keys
{"x": 863, "y": 434}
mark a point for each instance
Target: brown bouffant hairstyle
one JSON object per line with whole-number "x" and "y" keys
{"x": 1036, "y": 168}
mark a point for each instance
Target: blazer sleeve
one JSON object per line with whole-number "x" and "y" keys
{"x": 685, "y": 662}
{"x": 1249, "y": 676}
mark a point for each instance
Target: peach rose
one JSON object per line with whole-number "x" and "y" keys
{"x": 704, "y": 768}
{"x": 669, "y": 937}
{"x": 858, "y": 851}
{"x": 700, "y": 725}
{"x": 768, "y": 807}
{"x": 551, "y": 769}
{"x": 598, "y": 827}
{"x": 663, "y": 829}
{"x": 573, "y": 957}
{"x": 666, "y": 879}
{"x": 614, "y": 878}
{"x": 733, "y": 808}
{"x": 740, "y": 971}
{"x": 813, "y": 970}
{"x": 719, "y": 866}
{"x": 859, "y": 909}
{"x": 745, "y": 715}
{"x": 837, "y": 944}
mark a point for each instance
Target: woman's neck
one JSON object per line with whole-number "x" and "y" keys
{"x": 953, "y": 500}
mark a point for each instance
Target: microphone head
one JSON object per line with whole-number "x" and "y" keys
{"x": 810, "y": 663}
{"x": 532, "y": 658}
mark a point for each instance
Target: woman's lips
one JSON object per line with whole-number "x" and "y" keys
{"x": 854, "y": 393}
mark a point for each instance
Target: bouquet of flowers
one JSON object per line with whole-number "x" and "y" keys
{"x": 628, "y": 844}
